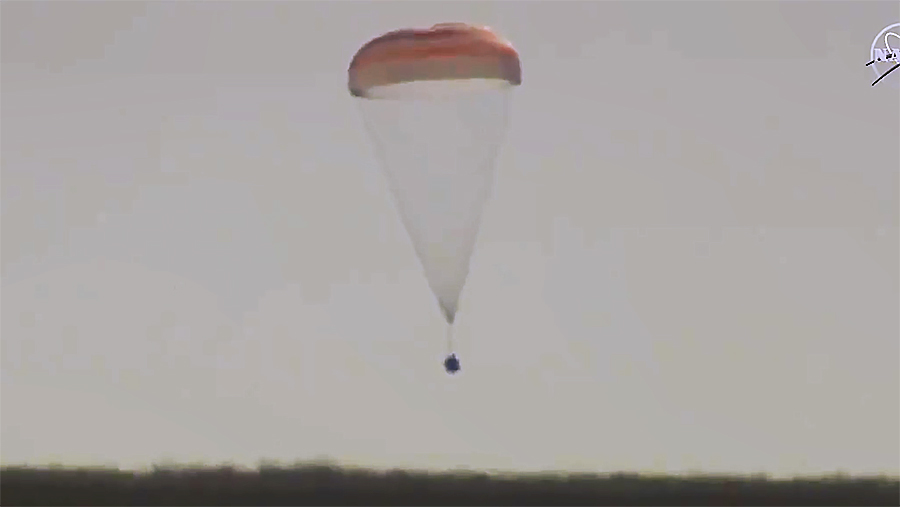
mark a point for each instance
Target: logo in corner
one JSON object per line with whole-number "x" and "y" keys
{"x": 885, "y": 59}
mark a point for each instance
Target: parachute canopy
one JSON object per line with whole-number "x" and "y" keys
{"x": 435, "y": 103}
{"x": 446, "y": 51}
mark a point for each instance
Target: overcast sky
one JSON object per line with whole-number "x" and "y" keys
{"x": 690, "y": 262}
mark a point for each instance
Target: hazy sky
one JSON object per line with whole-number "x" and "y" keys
{"x": 690, "y": 261}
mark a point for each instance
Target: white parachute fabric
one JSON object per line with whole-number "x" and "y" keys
{"x": 437, "y": 142}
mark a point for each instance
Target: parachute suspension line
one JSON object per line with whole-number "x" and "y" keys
{"x": 449, "y": 339}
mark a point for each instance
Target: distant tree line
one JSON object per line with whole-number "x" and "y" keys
{"x": 328, "y": 485}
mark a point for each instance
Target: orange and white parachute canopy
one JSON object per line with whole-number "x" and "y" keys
{"x": 446, "y": 51}
{"x": 438, "y": 155}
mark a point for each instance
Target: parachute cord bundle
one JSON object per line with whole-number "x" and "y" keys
{"x": 450, "y": 339}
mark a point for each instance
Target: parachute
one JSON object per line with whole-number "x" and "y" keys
{"x": 435, "y": 103}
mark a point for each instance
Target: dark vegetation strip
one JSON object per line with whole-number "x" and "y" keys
{"x": 327, "y": 485}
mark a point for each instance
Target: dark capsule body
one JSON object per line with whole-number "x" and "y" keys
{"x": 451, "y": 364}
